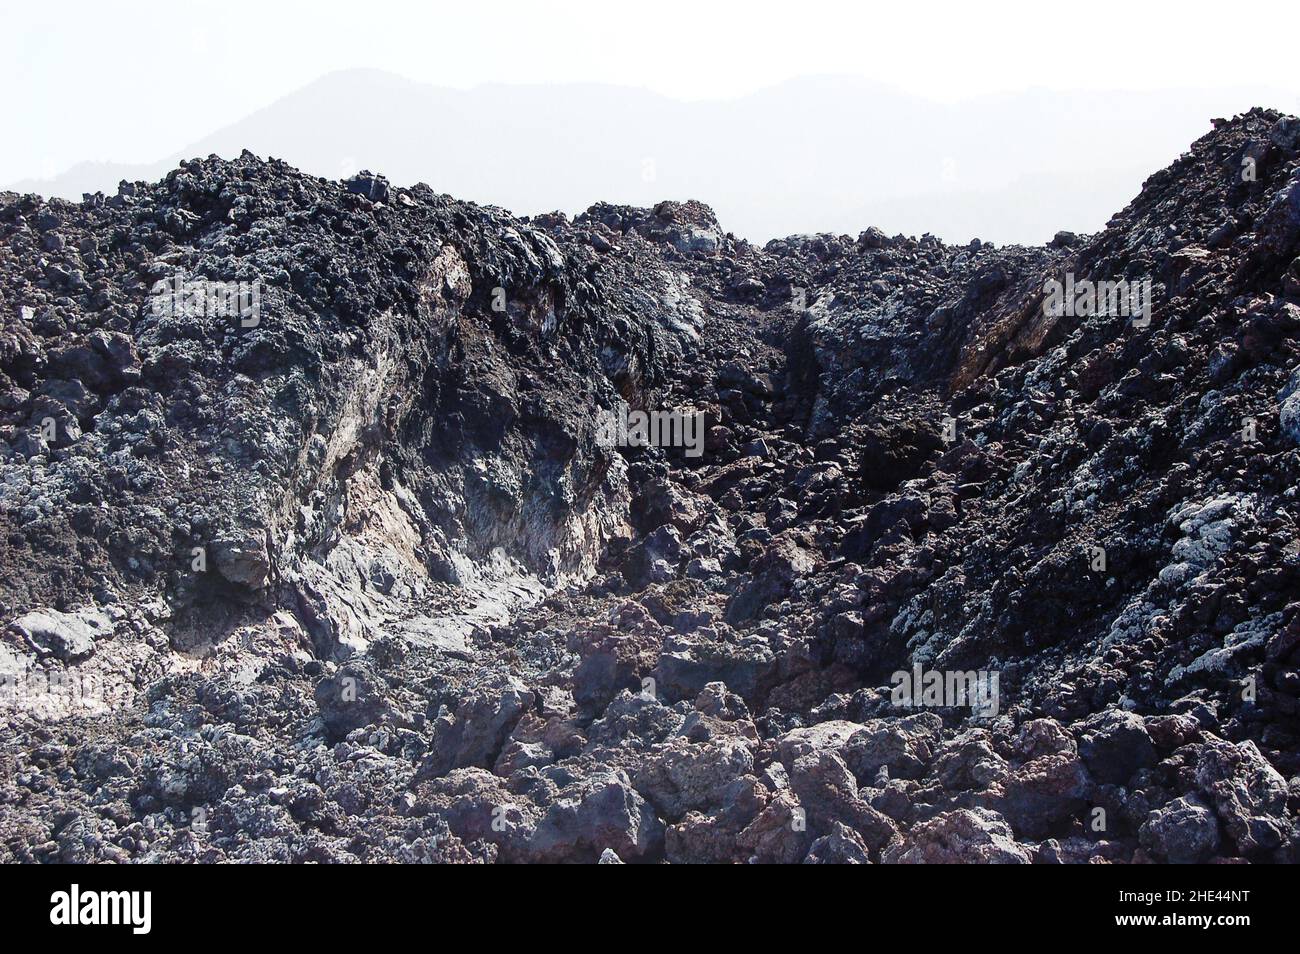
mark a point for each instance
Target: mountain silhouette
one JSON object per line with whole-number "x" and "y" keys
{"x": 809, "y": 155}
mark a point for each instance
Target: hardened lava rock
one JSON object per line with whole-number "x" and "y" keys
{"x": 315, "y": 546}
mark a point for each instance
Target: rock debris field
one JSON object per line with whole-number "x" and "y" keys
{"x": 317, "y": 543}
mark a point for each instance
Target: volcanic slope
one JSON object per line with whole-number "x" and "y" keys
{"x": 356, "y": 575}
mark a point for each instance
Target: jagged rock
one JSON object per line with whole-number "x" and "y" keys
{"x": 1114, "y": 746}
{"x": 1247, "y": 793}
{"x": 779, "y": 835}
{"x": 832, "y": 735}
{"x": 843, "y": 846}
{"x": 681, "y": 776}
{"x": 687, "y": 665}
{"x": 478, "y": 807}
{"x": 598, "y": 813}
{"x": 1289, "y": 417}
{"x": 657, "y": 557}
{"x": 65, "y": 636}
{"x": 243, "y": 561}
{"x": 476, "y": 732}
{"x": 353, "y": 698}
{"x": 965, "y": 836}
{"x": 1044, "y": 792}
{"x": 969, "y": 762}
{"x": 784, "y": 562}
{"x": 903, "y": 748}
{"x": 1184, "y": 831}
{"x": 715, "y": 838}
{"x": 366, "y": 183}
{"x": 827, "y": 790}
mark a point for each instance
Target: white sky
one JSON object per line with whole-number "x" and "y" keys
{"x": 135, "y": 81}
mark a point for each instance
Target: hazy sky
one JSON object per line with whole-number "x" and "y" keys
{"x": 134, "y": 81}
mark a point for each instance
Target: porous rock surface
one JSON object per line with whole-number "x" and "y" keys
{"x": 354, "y": 578}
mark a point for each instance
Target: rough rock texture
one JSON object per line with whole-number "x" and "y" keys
{"x": 349, "y": 573}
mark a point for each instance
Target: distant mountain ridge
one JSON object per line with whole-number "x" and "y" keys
{"x": 810, "y": 155}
